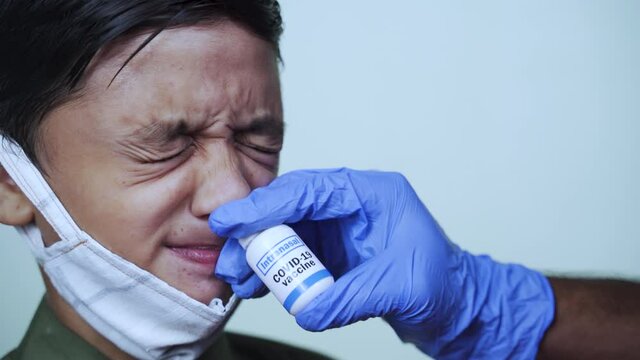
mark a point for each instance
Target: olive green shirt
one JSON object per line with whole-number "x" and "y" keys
{"x": 47, "y": 338}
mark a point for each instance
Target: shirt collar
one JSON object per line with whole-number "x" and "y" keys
{"x": 48, "y": 338}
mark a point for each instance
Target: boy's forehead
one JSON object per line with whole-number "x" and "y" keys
{"x": 205, "y": 50}
{"x": 181, "y": 73}
{"x": 188, "y": 74}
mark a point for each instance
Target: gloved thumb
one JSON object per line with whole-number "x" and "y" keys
{"x": 360, "y": 294}
{"x": 232, "y": 266}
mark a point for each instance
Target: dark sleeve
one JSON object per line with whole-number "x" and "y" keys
{"x": 251, "y": 348}
{"x": 9, "y": 356}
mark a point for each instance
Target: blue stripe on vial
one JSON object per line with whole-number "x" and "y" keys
{"x": 295, "y": 294}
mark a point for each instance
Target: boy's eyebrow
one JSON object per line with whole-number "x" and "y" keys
{"x": 162, "y": 132}
{"x": 265, "y": 125}
{"x": 159, "y": 132}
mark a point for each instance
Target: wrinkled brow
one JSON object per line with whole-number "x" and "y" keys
{"x": 159, "y": 132}
{"x": 265, "y": 125}
{"x": 162, "y": 132}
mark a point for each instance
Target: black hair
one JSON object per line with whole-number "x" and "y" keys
{"x": 46, "y": 45}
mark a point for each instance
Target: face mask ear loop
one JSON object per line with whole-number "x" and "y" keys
{"x": 35, "y": 187}
{"x": 120, "y": 300}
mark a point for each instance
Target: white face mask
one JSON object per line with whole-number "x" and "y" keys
{"x": 138, "y": 312}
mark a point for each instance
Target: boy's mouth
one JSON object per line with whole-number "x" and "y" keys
{"x": 200, "y": 254}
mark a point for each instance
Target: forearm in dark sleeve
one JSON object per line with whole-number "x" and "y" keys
{"x": 595, "y": 319}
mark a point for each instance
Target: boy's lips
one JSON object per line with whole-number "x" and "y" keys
{"x": 201, "y": 254}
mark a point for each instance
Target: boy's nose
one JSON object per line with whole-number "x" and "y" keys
{"x": 220, "y": 179}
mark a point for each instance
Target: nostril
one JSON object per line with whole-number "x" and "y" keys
{"x": 217, "y": 190}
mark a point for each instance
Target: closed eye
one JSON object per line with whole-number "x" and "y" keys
{"x": 265, "y": 144}
{"x": 179, "y": 154}
{"x": 262, "y": 149}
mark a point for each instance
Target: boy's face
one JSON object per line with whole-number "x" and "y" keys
{"x": 193, "y": 121}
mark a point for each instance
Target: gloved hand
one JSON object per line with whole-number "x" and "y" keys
{"x": 391, "y": 260}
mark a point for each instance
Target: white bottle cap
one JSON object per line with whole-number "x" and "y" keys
{"x": 245, "y": 241}
{"x": 278, "y": 230}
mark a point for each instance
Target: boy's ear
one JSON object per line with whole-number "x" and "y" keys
{"x": 15, "y": 208}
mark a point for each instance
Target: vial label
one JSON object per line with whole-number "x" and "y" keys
{"x": 280, "y": 249}
{"x": 290, "y": 268}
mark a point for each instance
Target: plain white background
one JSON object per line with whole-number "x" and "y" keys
{"x": 518, "y": 123}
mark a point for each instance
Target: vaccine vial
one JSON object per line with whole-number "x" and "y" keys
{"x": 286, "y": 266}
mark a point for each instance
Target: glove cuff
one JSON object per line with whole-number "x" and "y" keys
{"x": 506, "y": 311}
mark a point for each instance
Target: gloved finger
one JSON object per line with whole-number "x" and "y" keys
{"x": 262, "y": 292}
{"x": 232, "y": 265}
{"x": 325, "y": 240}
{"x": 313, "y": 195}
{"x": 360, "y": 294}
{"x": 252, "y": 287}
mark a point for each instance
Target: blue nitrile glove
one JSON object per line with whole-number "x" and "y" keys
{"x": 391, "y": 259}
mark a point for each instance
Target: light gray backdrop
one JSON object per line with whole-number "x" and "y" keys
{"x": 518, "y": 123}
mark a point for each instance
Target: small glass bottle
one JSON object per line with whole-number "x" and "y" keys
{"x": 286, "y": 266}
